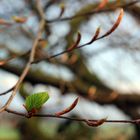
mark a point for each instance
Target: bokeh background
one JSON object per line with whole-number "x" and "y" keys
{"x": 105, "y": 74}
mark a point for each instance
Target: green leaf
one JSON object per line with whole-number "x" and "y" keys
{"x": 35, "y": 101}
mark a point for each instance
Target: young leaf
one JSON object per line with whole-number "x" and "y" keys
{"x": 35, "y": 101}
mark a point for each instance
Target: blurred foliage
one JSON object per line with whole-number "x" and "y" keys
{"x": 74, "y": 131}
{"x": 8, "y": 133}
{"x": 68, "y": 130}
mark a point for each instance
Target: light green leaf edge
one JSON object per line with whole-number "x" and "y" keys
{"x": 36, "y": 100}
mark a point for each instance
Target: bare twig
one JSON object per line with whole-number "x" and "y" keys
{"x": 101, "y": 5}
{"x": 3, "y": 62}
{"x": 28, "y": 65}
{"x": 75, "y": 45}
{"x": 93, "y": 12}
{"x": 7, "y": 91}
{"x": 90, "y": 122}
{"x": 95, "y": 37}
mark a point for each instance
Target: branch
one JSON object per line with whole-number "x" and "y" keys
{"x": 103, "y": 95}
{"x": 93, "y": 12}
{"x": 95, "y": 37}
{"x": 28, "y": 65}
{"x": 7, "y": 91}
{"x": 89, "y": 122}
{"x": 70, "y": 18}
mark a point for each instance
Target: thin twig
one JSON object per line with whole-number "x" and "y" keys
{"x": 136, "y": 121}
{"x": 83, "y": 45}
{"x": 28, "y": 65}
{"x": 70, "y": 18}
{"x": 92, "y": 12}
{"x": 7, "y": 91}
{"x": 95, "y": 38}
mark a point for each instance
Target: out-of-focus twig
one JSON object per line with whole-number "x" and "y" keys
{"x": 75, "y": 45}
{"x": 31, "y": 59}
{"x": 93, "y": 12}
